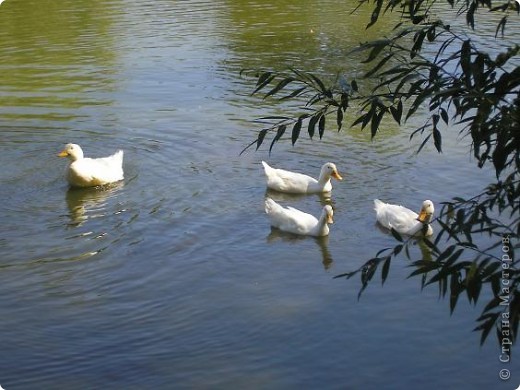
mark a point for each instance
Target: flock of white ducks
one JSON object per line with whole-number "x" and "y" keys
{"x": 292, "y": 220}
{"x": 91, "y": 172}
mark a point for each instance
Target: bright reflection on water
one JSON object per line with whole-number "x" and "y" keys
{"x": 174, "y": 279}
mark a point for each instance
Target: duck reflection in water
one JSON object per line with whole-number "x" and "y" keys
{"x": 325, "y": 197}
{"x": 86, "y": 203}
{"x": 322, "y": 242}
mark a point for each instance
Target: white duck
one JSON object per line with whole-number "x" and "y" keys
{"x": 297, "y": 183}
{"x": 404, "y": 220}
{"x": 295, "y": 221}
{"x": 90, "y": 172}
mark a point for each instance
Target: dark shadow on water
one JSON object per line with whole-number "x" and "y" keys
{"x": 322, "y": 242}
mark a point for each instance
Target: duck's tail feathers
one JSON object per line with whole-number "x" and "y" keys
{"x": 266, "y": 166}
{"x": 118, "y": 156}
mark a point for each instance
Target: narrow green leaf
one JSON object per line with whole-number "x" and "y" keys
{"x": 296, "y": 131}
{"x": 418, "y": 41}
{"x": 296, "y": 92}
{"x": 446, "y": 253}
{"x": 465, "y": 61}
{"x": 321, "y": 86}
{"x": 282, "y": 84}
{"x": 321, "y": 126}
{"x": 397, "y": 112}
{"x": 354, "y": 85}
{"x": 490, "y": 269}
{"x": 487, "y": 326}
{"x": 418, "y": 19}
{"x": 453, "y": 258}
{"x": 263, "y": 77}
{"x": 376, "y": 120}
{"x": 444, "y": 115}
{"x": 273, "y": 117}
{"x": 279, "y": 133}
{"x": 470, "y": 14}
{"x": 379, "y": 65}
{"x": 437, "y": 139}
{"x": 263, "y": 80}
{"x": 398, "y": 249}
{"x": 339, "y": 118}
{"x": 386, "y": 269}
{"x": 431, "y": 34}
{"x": 501, "y": 26}
{"x": 377, "y": 48}
{"x": 405, "y": 80}
{"x": 369, "y": 117}
{"x": 260, "y": 138}
{"x": 423, "y": 143}
{"x": 312, "y": 124}
{"x": 396, "y": 235}
{"x": 359, "y": 120}
{"x": 375, "y": 13}
{"x": 455, "y": 290}
{"x": 382, "y": 251}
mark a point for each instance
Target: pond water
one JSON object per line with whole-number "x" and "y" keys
{"x": 174, "y": 279}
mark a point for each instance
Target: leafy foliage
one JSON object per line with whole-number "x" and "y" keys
{"x": 304, "y": 84}
{"x": 426, "y": 67}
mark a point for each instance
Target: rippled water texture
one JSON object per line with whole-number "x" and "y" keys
{"x": 173, "y": 278}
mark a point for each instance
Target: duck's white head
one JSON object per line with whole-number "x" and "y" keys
{"x": 72, "y": 151}
{"x": 327, "y": 210}
{"x": 426, "y": 213}
{"x": 329, "y": 170}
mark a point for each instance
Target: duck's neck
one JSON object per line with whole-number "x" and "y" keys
{"x": 76, "y": 156}
{"x": 322, "y": 228}
{"x": 324, "y": 179}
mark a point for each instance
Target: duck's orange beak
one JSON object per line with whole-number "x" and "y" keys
{"x": 422, "y": 216}
{"x": 63, "y": 153}
{"x": 335, "y": 174}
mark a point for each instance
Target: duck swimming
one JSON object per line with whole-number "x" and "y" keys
{"x": 298, "y": 183}
{"x": 90, "y": 172}
{"x": 294, "y": 221}
{"x": 403, "y": 220}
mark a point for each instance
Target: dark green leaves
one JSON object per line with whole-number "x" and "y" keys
{"x": 279, "y": 133}
{"x": 465, "y": 61}
{"x": 437, "y": 139}
{"x": 260, "y": 139}
{"x": 374, "y": 116}
{"x": 281, "y": 85}
{"x": 296, "y": 131}
{"x": 397, "y": 111}
{"x": 312, "y": 125}
{"x": 375, "y": 47}
{"x": 396, "y": 235}
{"x": 298, "y": 84}
{"x": 375, "y": 13}
{"x": 470, "y": 14}
{"x": 263, "y": 80}
{"x": 321, "y": 126}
